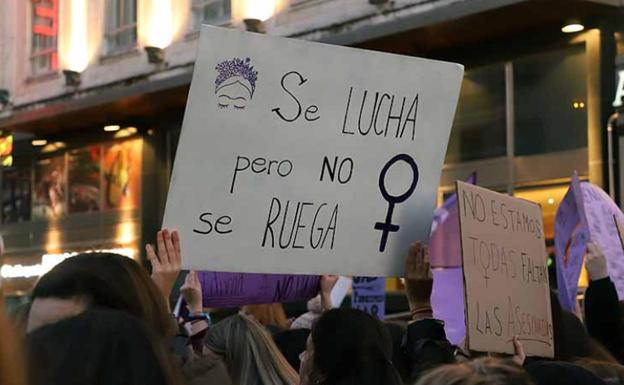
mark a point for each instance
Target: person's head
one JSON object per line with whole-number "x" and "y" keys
{"x": 98, "y": 280}
{"x": 268, "y": 315}
{"x": 249, "y": 352}
{"x": 235, "y": 84}
{"x": 570, "y": 337}
{"x": 482, "y": 371}
{"x": 348, "y": 346}
{"x": 399, "y": 359}
{"x": 292, "y": 343}
{"x": 104, "y": 347}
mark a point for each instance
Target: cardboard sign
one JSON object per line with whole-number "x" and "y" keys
{"x": 571, "y": 236}
{"x": 224, "y": 290}
{"x": 299, "y": 157}
{"x": 602, "y": 216}
{"x": 369, "y": 295}
{"x": 505, "y": 272}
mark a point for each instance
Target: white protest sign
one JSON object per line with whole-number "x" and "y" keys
{"x": 505, "y": 272}
{"x": 299, "y": 157}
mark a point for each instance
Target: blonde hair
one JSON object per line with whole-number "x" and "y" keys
{"x": 482, "y": 371}
{"x": 249, "y": 352}
{"x": 268, "y": 315}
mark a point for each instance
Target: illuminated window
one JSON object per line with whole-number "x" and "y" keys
{"x": 121, "y": 25}
{"x": 43, "y": 53}
{"x": 480, "y": 123}
{"x": 210, "y": 12}
{"x": 546, "y": 86}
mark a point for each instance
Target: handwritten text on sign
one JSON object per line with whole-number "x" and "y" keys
{"x": 298, "y": 157}
{"x": 505, "y": 272}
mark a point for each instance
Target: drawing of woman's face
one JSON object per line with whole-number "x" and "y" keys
{"x": 235, "y": 93}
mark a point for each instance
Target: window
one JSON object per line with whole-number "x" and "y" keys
{"x": 121, "y": 25}
{"x": 210, "y": 12}
{"x": 43, "y": 54}
{"x": 16, "y": 194}
{"x": 479, "y": 128}
{"x": 550, "y": 92}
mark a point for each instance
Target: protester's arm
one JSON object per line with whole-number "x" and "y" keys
{"x": 327, "y": 284}
{"x": 165, "y": 260}
{"x": 197, "y": 327}
{"x": 602, "y": 312}
{"x": 418, "y": 282}
{"x": 424, "y": 344}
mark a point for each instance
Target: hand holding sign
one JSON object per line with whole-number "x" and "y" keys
{"x": 596, "y": 262}
{"x": 327, "y": 285}
{"x": 192, "y": 293}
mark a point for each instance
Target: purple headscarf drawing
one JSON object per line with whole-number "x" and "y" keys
{"x": 235, "y": 84}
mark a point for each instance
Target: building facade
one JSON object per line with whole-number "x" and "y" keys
{"x": 92, "y": 95}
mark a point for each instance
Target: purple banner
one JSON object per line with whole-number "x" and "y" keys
{"x": 223, "y": 290}
{"x": 369, "y": 295}
{"x": 602, "y": 216}
{"x": 447, "y": 300}
{"x": 571, "y": 237}
{"x": 444, "y": 242}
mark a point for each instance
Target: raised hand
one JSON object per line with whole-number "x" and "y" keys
{"x": 596, "y": 263}
{"x": 417, "y": 265}
{"x": 418, "y": 280}
{"x": 166, "y": 261}
{"x": 192, "y": 293}
{"x": 327, "y": 284}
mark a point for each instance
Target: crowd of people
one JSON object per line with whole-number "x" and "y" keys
{"x": 102, "y": 319}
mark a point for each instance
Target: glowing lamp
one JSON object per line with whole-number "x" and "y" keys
{"x": 572, "y": 27}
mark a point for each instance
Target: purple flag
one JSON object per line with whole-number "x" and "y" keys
{"x": 447, "y": 300}
{"x": 571, "y": 237}
{"x": 444, "y": 241}
{"x": 585, "y": 213}
{"x": 369, "y": 295}
{"x": 238, "y": 289}
{"x": 602, "y": 216}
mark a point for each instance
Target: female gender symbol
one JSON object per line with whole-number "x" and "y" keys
{"x": 387, "y": 226}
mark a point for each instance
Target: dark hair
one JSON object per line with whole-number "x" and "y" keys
{"x": 482, "y": 371}
{"x": 352, "y": 347}
{"x": 99, "y": 347}
{"x": 109, "y": 281}
{"x": 399, "y": 359}
{"x": 570, "y": 337}
{"x": 292, "y": 343}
